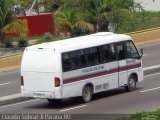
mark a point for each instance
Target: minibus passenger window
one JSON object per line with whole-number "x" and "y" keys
{"x": 65, "y": 62}
{"x": 108, "y": 53}
{"x": 105, "y": 54}
{"x": 92, "y": 56}
{"x": 82, "y": 61}
{"x": 77, "y": 59}
{"x": 73, "y": 60}
{"x": 112, "y": 52}
{"x": 121, "y": 51}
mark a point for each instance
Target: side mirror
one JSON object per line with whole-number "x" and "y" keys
{"x": 141, "y": 51}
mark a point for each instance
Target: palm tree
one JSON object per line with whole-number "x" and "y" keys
{"x": 97, "y": 14}
{"x": 70, "y": 21}
{"x": 8, "y": 22}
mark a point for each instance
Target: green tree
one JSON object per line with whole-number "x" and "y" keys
{"x": 53, "y": 5}
{"x": 102, "y": 12}
{"x": 8, "y": 22}
{"x": 71, "y": 21}
{"x": 24, "y": 3}
{"x": 90, "y": 10}
{"x": 121, "y": 11}
{"x": 49, "y": 5}
{"x": 97, "y": 14}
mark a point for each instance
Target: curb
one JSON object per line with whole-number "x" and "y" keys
{"x": 12, "y": 99}
{"x": 18, "y": 97}
{"x": 8, "y": 69}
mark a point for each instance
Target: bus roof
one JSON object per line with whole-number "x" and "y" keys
{"x": 81, "y": 42}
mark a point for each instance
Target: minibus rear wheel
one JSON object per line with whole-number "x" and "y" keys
{"x": 87, "y": 93}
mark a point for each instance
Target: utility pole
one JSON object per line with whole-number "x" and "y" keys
{"x": 37, "y": 7}
{"x": 30, "y": 10}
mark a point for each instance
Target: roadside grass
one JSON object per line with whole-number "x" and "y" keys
{"x": 148, "y": 14}
{"x": 141, "y": 21}
{"x": 49, "y": 38}
{"x": 151, "y": 19}
{"x": 45, "y": 38}
{"x": 154, "y": 115}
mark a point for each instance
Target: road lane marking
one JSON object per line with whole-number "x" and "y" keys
{"x": 150, "y": 90}
{"x": 5, "y": 83}
{"x": 151, "y": 67}
{"x": 10, "y": 105}
{"x": 73, "y": 108}
{"x": 151, "y": 75}
{"x": 145, "y": 55}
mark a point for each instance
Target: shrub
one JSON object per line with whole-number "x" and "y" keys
{"x": 22, "y": 41}
{"x": 8, "y": 42}
{"x": 47, "y": 37}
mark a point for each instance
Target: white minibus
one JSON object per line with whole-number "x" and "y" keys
{"x": 80, "y": 66}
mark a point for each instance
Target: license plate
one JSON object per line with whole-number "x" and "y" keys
{"x": 39, "y": 95}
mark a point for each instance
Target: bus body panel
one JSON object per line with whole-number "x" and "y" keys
{"x": 122, "y": 73}
{"x": 136, "y": 68}
{"x": 104, "y": 77}
{"x": 39, "y": 69}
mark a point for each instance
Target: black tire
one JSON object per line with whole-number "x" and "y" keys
{"x": 131, "y": 85}
{"x": 87, "y": 94}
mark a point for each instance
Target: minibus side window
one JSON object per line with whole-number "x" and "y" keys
{"x": 108, "y": 53}
{"x": 92, "y": 56}
{"x": 81, "y": 61}
{"x": 73, "y": 60}
{"x": 131, "y": 50}
{"x": 105, "y": 54}
{"x": 121, "y": 51}
{"x": 65, "y": 62}
{"x": 112, "y": 52}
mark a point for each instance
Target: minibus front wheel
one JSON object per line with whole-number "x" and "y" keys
{"x": 132, "y": 81}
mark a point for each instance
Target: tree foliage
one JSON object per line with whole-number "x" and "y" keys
{"x": 98, "y": 12}
{"x": 70, "y": 21}
{"x": 102, "y": 12}
{"x": 8, "y": 22}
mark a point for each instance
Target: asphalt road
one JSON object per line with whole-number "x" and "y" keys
{"x": 145, "y": 98}
{"x": 151, "y": 54}
{"x": 10, "y": 81}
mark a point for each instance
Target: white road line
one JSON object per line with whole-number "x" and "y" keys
{"x": 18, "y": 103}
{"x": 145, "y": 55}
{"x": 73, "y": 108}
{"x": 151, "y": 75}
{"x": 5, "y": 83}
{"x": 151, "y": 67}
{"x": 150, "y": 90}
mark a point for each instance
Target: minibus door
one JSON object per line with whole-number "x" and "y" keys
{"x": 122, "y": 67}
